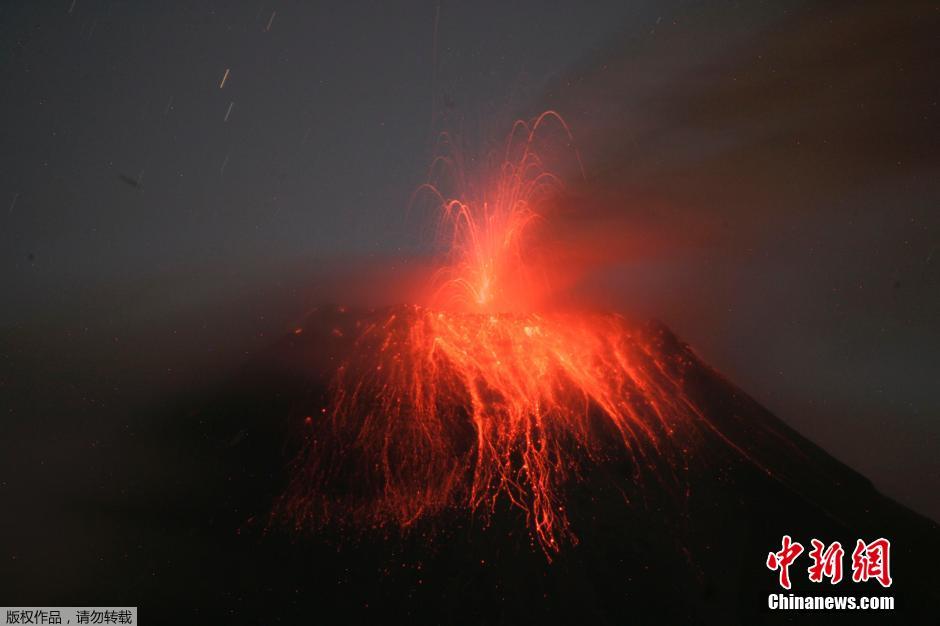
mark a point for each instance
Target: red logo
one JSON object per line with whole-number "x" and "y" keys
{"x": 826, "y": 563}
{"x": 869, "y": 561}
{"x": 872, "y": 560}
{"x": 782, "y": 560}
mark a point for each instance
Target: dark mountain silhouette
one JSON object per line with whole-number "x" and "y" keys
{"x": 647, "y": 550}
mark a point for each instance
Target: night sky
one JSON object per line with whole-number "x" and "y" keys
{"x": 763, "y": 177}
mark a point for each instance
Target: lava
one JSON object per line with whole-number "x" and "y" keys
{"x": 490, "y": 264}
{"x": 477, "y": 395}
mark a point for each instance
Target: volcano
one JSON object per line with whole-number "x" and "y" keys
{"x": 487, "y": 455}
{"x": 677, "y": 533}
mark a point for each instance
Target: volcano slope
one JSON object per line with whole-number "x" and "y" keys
{"x": 679, "y": 534}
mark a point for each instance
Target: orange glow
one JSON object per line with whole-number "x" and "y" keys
{"x": 491, "y": 263}
{"x": 479, "y": 395}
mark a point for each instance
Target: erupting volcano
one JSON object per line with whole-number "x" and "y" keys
{"x": 477, "y": 394}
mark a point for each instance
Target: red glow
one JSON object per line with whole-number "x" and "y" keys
{"x": 480, "y": 393}
{"x": 492, "y": 262}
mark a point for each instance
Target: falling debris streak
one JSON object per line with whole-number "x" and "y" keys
{"x": 224, "y": 78}
{"x": 478, "y": 396}
{"x": 267, "y": 28}
{"x": 229, "y": 111}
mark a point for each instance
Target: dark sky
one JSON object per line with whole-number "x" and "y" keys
{"x": 761, "y": 176}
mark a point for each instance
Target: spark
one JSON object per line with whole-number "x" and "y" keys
{"x": 229, "y": 111}
{"x": 267, "y": 28}
{"x": 224, "y": 78}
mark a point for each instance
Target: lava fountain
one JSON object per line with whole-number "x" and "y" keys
{"x": 477, "y": 395}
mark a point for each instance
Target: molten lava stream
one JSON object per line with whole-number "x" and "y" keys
{"x": 474, "y": 397}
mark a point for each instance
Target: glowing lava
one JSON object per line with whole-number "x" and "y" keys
{"x": 488, "y": 265}
{"x": 475, "y": 396}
